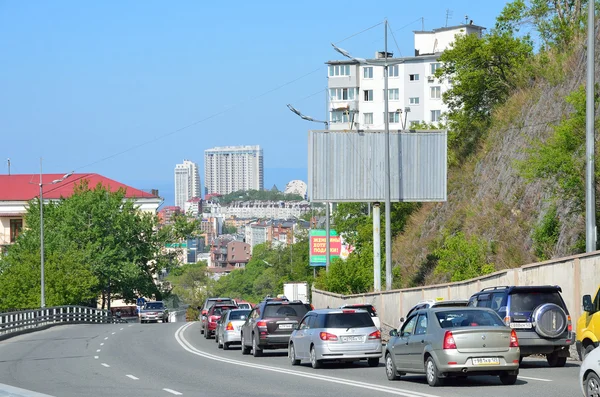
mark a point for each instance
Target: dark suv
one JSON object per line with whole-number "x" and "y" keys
{"x": 537, "y": 313}
{"x": 270, "y": 325}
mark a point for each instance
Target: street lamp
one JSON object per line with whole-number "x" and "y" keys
{"x": 388, "y": 225}
{"x": 43, "y": 284}
{"x": 327, "y": 210}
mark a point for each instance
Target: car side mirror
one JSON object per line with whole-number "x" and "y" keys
{"x": 393, "y": 332}
{"x": 588, "y": 306}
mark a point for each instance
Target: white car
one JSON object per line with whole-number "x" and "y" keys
{"x": 589, "y": 374}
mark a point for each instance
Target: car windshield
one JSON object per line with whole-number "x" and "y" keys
{"x": 528, "y": 301}
{"x": 348, "y": 320}
{"x": 154, "y": 306}
{"x": 244, "y": 306}
{"x": 368, "y": 308}
{"x": 283, "y": 311}
{"x": 468, "y": 318}
{"x": 239, "y": 314}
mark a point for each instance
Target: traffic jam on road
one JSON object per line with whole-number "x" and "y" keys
{"x": 488, "y": 334}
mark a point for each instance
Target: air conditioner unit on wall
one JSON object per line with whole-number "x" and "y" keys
{"x": 430, "y": 79}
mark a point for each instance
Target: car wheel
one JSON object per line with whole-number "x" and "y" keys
{"x": 313, "y": 359}
{"x": 201, "y": 331}
{"x": 555, "y": 361}
{"x": 206, "y": 334}
{"x": 219, "y": 344}
{"x": 245, "y": 349}
{"x": 373, "y": 362}
{"x": 216, "y": 338}
{"x": 591, "y": 385}
{"x": 390, "y": 368}
{"x": 225, "y": 346}
{"x": 432, "y": 373}
{"x": 588, "y": 349}
{"x": 292, "y": 355}
{"x": 256, "y": 352}
{"x": 508, "y": 379}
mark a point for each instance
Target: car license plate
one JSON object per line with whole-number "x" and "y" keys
{"x": 285, "y": 326}
{"x": 352, "y": 338}
{"x": 486, "y": 361}
{"x": 521, "y": 325}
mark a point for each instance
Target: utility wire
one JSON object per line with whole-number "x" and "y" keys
{"x": 356, "y": 34}
{"x": 394, "y": 37}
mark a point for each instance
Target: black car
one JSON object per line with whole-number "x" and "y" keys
{"x": 270, "y": 325}
{"x": 539, "y": 316}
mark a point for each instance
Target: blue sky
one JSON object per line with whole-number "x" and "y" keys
{"x": 108, "y": 86}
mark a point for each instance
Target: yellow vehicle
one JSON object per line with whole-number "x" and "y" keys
{"x": 588, "y": 326}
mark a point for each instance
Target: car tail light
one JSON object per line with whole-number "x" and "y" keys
{"x": 229, "y": 327}
{"x": 204, "y": 312}
{"x": 327, "y": 336}
{"x": 449, "y": 342}
{"x": 312, "y": 307}
{"x": 348, "y": 311}
{"x": 569, "y": 324}
{"x": 375, "y": 335}
{"x": 261, "y": 324}
{"x": 507, "y": 321}
{"x": 514, "y": 341}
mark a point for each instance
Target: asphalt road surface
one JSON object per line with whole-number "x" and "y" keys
{"x": 175, "y": 359}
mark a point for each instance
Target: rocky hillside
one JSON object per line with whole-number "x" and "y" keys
{"x": 486, "y": 195}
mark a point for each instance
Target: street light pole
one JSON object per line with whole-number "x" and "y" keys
{"x": 42, "y": 274}
{"x": 388, "y": 200}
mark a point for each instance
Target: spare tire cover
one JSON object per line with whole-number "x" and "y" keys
{"x": 550, "y": 320}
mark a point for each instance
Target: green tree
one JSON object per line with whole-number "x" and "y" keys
{"x": 463, "y": 258}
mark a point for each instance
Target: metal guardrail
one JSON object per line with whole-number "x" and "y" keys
{"x": 14, "y": 323}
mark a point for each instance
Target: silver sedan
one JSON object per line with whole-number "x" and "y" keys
{"x": 335, "y": 335}
{"x": 444, "y": 342}
{"x": 229, "y": 326}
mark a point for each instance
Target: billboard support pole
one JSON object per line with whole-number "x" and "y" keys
{"x": 376, "y": 247}
{"x": 327, "y": 239}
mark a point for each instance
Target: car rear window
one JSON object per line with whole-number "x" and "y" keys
{"x": 368, "y": 308}
{"x": 348, "y": 320}
{"x": 528, "y": 301}
{"x": 211, "y": 303}
{"x": 154, "y": 305}
{"x": 468, "y": 318}
{"x": 282, "y": 311}
{"x": 217, "y": 311}
{"x": 239, "y": 314}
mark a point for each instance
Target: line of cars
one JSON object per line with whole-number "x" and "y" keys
{"x": 488, "y": 334}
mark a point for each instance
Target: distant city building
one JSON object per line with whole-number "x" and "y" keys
{"x": 228, "y": 254}
{"x": 296, "y": 187}
{"x": 232, "y": 168}
{"x": 166, "y": 214}
{"x": 187, "y": 182}
{"x": 258, "y": 209}
{"x": 193, "y": 207}
{"x": 356, "y": 94}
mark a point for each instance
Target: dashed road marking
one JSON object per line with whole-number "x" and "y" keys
{"x": 96, "y": 357}
{"x": 102, "y": 344}
{"x": 98, "y": 351}
{"x": 132, "y": 377}
{"x": 106, "y": 338}
{"x": 121, "y": 329}
{"x": 113, "y": 333}
{"x": 105, "y": 365}
{"x": 173, "y": 392}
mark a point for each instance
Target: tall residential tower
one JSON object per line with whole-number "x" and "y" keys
{"x": 187, "y": 182}
{"x": 231, "y": 168}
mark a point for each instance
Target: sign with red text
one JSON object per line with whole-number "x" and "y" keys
{"x": 318, "y": 246}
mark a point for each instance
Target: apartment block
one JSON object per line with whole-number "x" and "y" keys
{"x": 232, "y": 168}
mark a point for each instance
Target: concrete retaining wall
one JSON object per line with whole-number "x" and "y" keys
{"x": 577, "y": 275}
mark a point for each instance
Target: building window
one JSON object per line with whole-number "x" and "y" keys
{"x": 393, "y": 71}
{"x": 368, "y": 95}
{"x": 368, "y": 118}
{"x": 15, "y": 229}
{"x": 436, "y": 92}
{"x": 435, "y": 115}
{"x": 413, "y": 77}
{"x": 368, "y": 72}
{"x": 339, "y": 70}
{"x": 339, "y": 116}
{"x": 413, "y": 101}
{"x": 434, "y": 67}
{"x": 393, "y": 117}
{"x": 342, "y": 94}
{"x": 394, "y": 94}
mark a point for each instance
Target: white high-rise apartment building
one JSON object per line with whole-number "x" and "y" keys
{"x": 356, "y": 95}
{"x": 187, "y": 182}
{"x": 232, "y": 168}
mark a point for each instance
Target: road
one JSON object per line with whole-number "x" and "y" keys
{"x": 175, "y": 359}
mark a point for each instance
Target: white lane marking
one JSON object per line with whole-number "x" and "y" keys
{"x": 349, "y": 382}
{"x": 105, "y": 365}
{"x": 132, "y": 377}
{"x": 173, "y": 392}
{"x": 98, "y": 351}
{"x": 102, "y": 344}
{"x": 96, "y": 357}
{"x": 106, "y": 338}
{"x": 130, "y": 325}
{"x": 113, "y": 333}
{"x": 540, "y": 379}
{"x": 121, "y": 329}
{"x": 17, "y": 391}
